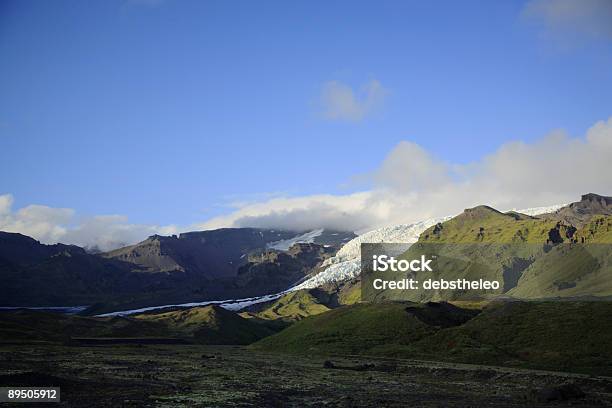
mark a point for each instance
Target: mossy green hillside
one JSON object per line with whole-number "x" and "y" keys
{"x": 210, "y": 325}
{"x": 531, "y": 257}
{"x": 571, "y": 336}
{"x": 292, "y": 306}
{"x": 351, "y": 329}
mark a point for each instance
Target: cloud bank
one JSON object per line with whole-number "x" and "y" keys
{"x": 51, "y": 225}
{"x": 410, "y": 185}
{"x": 340, "y": 102}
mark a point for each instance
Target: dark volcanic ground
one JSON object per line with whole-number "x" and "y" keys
{"x": 214, "y": 376}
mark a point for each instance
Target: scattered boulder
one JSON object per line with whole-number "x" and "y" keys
{"x": 555, "y": 393}
{"x": 360, "y": 367}
{"x": 328, "y": 364}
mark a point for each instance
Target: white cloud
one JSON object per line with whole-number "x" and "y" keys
{"x": 301, "y": 213}
{"x": 410, "y": 168}
{"x": 569, "y": 18}
{"x": 340, "y": 102}
{"x": 112, "y": 231}
{"x": 51, "y": 225}
{"x": 43, "y": 222}
{"x": 412, "y": 185}
{"x": 6, "y": 201}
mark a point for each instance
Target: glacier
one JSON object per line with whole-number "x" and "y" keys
{"x": 285, "y": 244}
{"x": 344, "y": 266}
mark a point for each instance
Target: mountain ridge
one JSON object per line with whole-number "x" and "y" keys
{"x": 174, "y": 269}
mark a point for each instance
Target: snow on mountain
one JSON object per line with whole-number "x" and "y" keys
{"x": 541, "y": 210}
{"x": 396, "y": 233}
{"x": 346, "y": 264}
{"x": 337, "y": 272}
{"x": 285, "y": 244}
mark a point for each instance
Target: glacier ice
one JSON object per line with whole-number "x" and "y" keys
{"x": 285, "y": 244}
{"x": 345, "y": 265}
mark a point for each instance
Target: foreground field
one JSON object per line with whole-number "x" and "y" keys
{"x": 223, "y": 376}
{"x": 559, "y": 336}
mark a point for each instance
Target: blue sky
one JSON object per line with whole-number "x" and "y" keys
{"x": 166, "y": 111}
